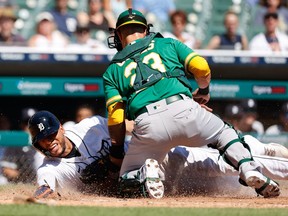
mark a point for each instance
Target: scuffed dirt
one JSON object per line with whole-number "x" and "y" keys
{"x": 244, "y": 198}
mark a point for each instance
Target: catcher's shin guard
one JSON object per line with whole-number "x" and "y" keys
{"x": 238, "y": 140}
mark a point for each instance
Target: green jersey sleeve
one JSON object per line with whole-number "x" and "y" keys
{"x": 112, "y": 94}
{"x": 184, "y": 53}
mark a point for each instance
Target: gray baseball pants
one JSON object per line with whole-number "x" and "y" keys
{"x": 183, "y": 122}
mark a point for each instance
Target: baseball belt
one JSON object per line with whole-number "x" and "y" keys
{"x": 168, "y": 100}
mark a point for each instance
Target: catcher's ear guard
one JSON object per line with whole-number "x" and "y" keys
{"x": 148, "y": 29}
{"x": 114, "y": 41}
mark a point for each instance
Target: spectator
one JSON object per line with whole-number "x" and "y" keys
{"x": 65, "y": 21}
{"x": 18, "y": 163}
{"x": 7, "y": 35}
{"x": 46, "y": 35}
{"x": 157, "y": 12}
{"x": 230, "y": 40}
{"x": 8, "y": 4}
{"x": 271, "y": 40}
{"x": 115, "y": 7}
{"x": 84, "y": 41}
{"x": 97, "y": 20}
{"x": 282, "y": 127}
{"x": 272, "y": 6}
{"x": 83, "y": 111}
{"x": 178, "y": 20}
{"x": 232, "y": 115}
{"x": 244, "y": 116}
{"x": 248, "y": 122}
{"x": 252, "y": 3}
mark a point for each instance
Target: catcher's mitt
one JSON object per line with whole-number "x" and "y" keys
{"x": 99, "y": 171}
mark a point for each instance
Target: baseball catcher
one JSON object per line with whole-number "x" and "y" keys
{"x": 147, "y": 82}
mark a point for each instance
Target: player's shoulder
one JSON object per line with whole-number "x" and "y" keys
{"x": 96, "y": 119}
{"x": 166, "y": 37}
{"x": 172, "y": 43}
{"x": 99, "y": 119}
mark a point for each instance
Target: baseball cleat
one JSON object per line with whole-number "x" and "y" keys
{"x": 262, "y": 184}
{"x": 150, "y": 174}
{"x": 276, "y": 150}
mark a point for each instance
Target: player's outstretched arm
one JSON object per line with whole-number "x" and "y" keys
{"x": 43, "y": 191}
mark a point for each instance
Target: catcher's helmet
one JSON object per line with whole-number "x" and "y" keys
{"x": 127, "y": 17}
{"x": 131, "y": 16}
{"x": 41, "y": 125}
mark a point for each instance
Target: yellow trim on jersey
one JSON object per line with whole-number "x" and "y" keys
{"x": 189, "y": 58}
{"x": 113, "y": 100}
{"x": 116, "y": 113}
{"x": 199, "y": 67}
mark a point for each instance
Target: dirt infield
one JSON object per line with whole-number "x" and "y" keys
{"x": 245, "y": 198}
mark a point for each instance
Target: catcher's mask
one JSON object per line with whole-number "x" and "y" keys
{"x": 41, "y": 125}
{"x": 127, "y": 17}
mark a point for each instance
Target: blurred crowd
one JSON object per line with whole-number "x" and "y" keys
{"x": 58, "y": 26}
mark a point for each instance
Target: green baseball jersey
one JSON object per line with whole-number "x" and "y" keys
{"x": 162, "y": 54}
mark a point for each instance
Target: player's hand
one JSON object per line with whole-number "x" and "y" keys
{"x": 199, "y": 98}
{"x": 44, "y": 191}
{"x": 206, "y": 107}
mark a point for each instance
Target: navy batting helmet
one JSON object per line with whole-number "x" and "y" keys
{"x": 41, "y": 125}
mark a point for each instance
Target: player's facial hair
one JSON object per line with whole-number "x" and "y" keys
{"x": 63, "y": 145}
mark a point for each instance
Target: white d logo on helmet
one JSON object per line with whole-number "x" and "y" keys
{"x": 41, "y": 126}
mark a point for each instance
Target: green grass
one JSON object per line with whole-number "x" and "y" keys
{"x": 42, "y": 210}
